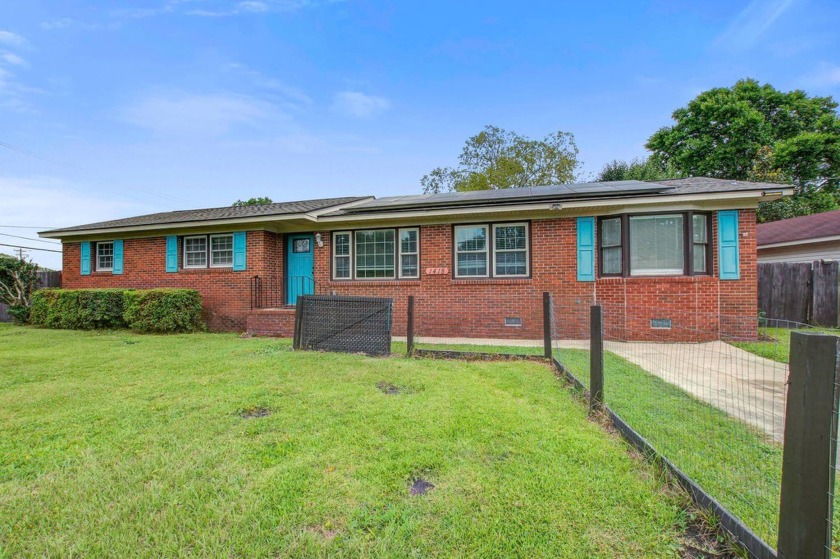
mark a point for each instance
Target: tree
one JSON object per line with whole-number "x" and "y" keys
{"x": 495, "y": 158}
{"x": 18, "y": 280}
{"x": 637, "y": 169}
{"x": 253, "y": 202}
{"x": 755, "y": 132}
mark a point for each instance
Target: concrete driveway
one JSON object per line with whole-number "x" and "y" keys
{"x": 746, "y": 386}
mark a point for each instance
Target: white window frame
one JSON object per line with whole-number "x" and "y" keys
{"x": 527, "y": 249}
{"x": 400, "y": 253}
{"x": 348, "y": 255}
{"x": 210, "y": 250}
{"x": 653, "y": 272}
{"x": 353, "y": 250}
{"x": 488, "y": 248}
{"x": 206, "y": 251}
{"x": 100, "y": 244}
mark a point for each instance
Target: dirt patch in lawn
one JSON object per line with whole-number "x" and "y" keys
{"x": 254, "y": 412}
{"x": 393, "y": 389}
{"x": 420, "y": 487}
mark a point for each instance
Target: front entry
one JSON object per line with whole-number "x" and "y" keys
{"x": 300, "y": 266}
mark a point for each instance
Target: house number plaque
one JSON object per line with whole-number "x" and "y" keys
{"x": 437, "y": 271}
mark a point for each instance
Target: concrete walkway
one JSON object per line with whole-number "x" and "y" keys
{"x": 745, "y": 386}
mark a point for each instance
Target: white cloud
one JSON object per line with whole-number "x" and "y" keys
{"x": 256, "y": 7}
{"x": 293, "y": 96}
{"x": 745, "y": 30}
{"x": 13, "y": 59}
{"x": 181, "y": 113}
{"x": 359, "y": 105}
{"x": 11, "y": 39}
{"x": 66, "y": 23}
{"x": 826, "y": 75}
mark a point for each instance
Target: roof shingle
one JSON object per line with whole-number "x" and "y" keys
{"x": 826, "y": 224}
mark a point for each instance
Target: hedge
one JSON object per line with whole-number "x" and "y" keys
{"x": 149, "y": 310}
{"x": 163, "y": 310}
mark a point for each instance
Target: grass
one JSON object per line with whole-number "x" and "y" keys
{"x": 733, "y": 462}
{"x": 775, "y": 344}
{"x": 116, "y": 444}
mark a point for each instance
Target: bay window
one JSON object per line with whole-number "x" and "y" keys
{"x": 654, "y": 245}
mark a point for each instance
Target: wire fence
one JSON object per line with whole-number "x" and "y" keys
{"x": 707, "y": 392}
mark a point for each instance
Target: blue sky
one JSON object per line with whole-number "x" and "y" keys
{"x": 128, "y": 108}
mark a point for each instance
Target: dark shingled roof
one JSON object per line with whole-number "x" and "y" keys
{"x": 826, "y": 224}
{"x": 210, "y": 214}
{"x": 694, "y": 185}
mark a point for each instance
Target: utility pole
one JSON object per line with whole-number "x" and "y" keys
{"x": 21, "y": 253}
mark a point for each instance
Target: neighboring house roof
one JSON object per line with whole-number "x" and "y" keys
{"x": 542, "y": 198}
{"x": 212, "y": 214}
{"x": 808, "y": 228}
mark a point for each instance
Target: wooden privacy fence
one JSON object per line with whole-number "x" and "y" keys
{"x": 805, "y": 292}
{"x": 48, "y": 279}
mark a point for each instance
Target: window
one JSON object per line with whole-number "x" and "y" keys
{"x": 510, "y": 250}
{"x": 195, "y": 252}
{"x": 657, "y": 245}
{"x": 301, "y": 245}
{"x": 341, "y": 255}
{"x": 471, "y": 251}
{"x": 611, "y": 253}
{"x": 508, "y": 245}
{"x": 700, "y": 243}
{"x": 409, "y": 253}
{"x": 221, "y": 251}
{"x": 375, "y": 253}
{"x": 654, "y": 245}
{"x": 105, "y": 256}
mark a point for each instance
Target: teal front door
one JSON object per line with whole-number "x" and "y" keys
{"x": 300, "y": 264}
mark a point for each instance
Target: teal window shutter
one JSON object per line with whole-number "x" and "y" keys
{"x": 171, "y": 253}
{"x": 728, "y": 253}
{"x": 239, "y": 260}
{"x": 118, "y": 257}
{"x": 586, "y": 249}
{"x": 84, "y": 269}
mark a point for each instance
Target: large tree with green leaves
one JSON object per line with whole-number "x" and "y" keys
{"x": 755, "y": 132}
{"x": 637, "y": 169}
{"x": 252, "y": 202}
{"x": 496, "y": 158}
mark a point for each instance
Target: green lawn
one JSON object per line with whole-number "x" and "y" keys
{"x": 736, "y": 464}
{"x": 115, "y": 444}
{"x": 775, "y": 344}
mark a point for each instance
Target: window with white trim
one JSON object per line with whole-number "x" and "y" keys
{"x": 471, "y": 251}
{"x": 374, "y": 250}
{"x": 376, "y": 254}
{"x": 502, "y": 254}
{"x": 342, "y": 256}
{"x": 221, "y": 251}
{"x": 510, "y": 250}
{"x": 195, "y": 252}
{"x": 409, "y": 253}
{"x": 105, "y": 256}
{"x": 657, "y": 245}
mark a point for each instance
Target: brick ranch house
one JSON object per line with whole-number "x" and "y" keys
{"x": 476, "y": 262}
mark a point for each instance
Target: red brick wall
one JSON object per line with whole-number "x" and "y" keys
{"x": 226, "y": 293}
{"x": 447, "y": 307}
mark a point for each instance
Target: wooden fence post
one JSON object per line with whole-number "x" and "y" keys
{"x": 810, "y": 447}
{"x": 547, "y": 324}
{"x": 596, "y": 358}
{"x": 409, "y": 328}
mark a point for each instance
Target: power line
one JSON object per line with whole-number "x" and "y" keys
{"x": 27, "y": 227}
{"x": 73, "y": 166}
{"x": 29, "y": 238}
{"x": 30, "y": 248}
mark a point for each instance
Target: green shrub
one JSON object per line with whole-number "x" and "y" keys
{"x": 163, "y": 310}
{"x": 78, "y": 309}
